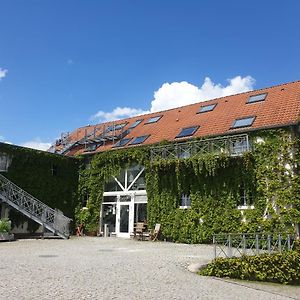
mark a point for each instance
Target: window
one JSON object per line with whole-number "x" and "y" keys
{"x": 206, "y": 108}
{"x": 119, "y": 126}
{"x": 185, "y": 201}
{"x": 139, "y": 140}
{"x": 257, "y": 98}
{"x": 243, "y": 122}
{"x": 115, "y": 127}
{"x": 187, "y": 131}
{"x": 246, "y": 198}
{"x": 136, "y": 123}
{"x": 122, "y": 142}
{"x": 153, "y": 120}
{"x": 53, "y": 170}
{"x": 5, "y": 162}
{"x": 91, "y": 148}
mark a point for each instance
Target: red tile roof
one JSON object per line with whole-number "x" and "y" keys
{"x": 280, "y": 108}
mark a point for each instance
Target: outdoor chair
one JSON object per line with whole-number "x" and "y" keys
{"x": 155, "y": 233}
{"x": 140, "y": 231}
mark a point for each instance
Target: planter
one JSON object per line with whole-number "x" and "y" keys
{"x": 4, "y": 236}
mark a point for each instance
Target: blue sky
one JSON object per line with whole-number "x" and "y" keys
{"x": 65, "y": 64}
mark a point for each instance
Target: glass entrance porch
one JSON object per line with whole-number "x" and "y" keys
{"x": 124, "y": 202}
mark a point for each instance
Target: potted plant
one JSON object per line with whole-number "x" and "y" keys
{"x": 5, "y": 228}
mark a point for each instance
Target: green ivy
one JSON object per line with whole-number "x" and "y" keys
{"x": 213, "y": 183}
{"x": 51, "y": 178}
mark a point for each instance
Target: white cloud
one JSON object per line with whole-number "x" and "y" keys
{"x": 37, "y": 144}
{"x": 3, "y": 73}
{"x": 175, "y": 94}
{"x": 117, "y": 113}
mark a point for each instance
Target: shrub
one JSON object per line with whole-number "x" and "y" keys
{"x": 280, "y": 267}
{"x": 5, "y": 225}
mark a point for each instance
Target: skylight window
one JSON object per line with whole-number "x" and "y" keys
{"x": 139, "y": 140}
{"x": 115, "y": 127}
{"x": 187, "y": 131}
{"x": 122, "y": 142}
{"x": 207, "y": 108}
{"x": 119, "y": 126}
{"x": 153, "y": 120}
{"x": 91, "y": 148}
{"x": 136, "y": 123}
{"x": 243, "y": 122}
{"x": 257, "y": 98}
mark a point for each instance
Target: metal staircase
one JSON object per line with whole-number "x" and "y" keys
{"x": 52, "y": 219}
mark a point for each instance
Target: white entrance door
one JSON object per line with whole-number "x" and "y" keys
{"x": 124, "y": 219}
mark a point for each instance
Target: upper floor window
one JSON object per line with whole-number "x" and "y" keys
{"x": 246, "y": 198}
{"x": 257, "y": 98}
{"x": 207, "y": 108}
{"x": 185, "y": 201}
{"x": 243, "y": 122}
{"x": 153, "y": 120}
{"x": 129, "y": 179}
{"x": 5, "y": 161}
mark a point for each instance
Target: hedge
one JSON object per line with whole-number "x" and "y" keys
{"x": 280, "y": 267}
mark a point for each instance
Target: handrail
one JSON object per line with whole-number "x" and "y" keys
{"x": 52, "y": 219}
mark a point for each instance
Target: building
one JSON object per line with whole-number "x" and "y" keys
{"x": 224, "y": 165}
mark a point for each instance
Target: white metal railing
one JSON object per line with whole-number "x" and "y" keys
{"x": 52, "y": 219}
{"x": 232, "y": 145}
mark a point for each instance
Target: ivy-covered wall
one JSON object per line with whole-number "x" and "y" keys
{"x": 268, "y": 177}
{"x": 53, "y": 179}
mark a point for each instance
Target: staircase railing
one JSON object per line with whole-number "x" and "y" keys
{"x": 52, "y": 219}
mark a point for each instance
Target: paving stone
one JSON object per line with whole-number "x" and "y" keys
{"x": 113, "y": 268}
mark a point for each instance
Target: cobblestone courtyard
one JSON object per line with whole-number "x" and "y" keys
{"x": 111, "y": 268}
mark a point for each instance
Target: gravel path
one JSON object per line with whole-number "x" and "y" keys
{"x": 112, "y": 268}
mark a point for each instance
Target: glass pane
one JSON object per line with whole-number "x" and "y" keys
{"x": 139, "y": 140}
{"x": 112, "y": 186}
{"x": 124, "y": 218}
{"x": 140, "y": 212}
{"x": 207, "y": 108}
{"x": 187, "y": 131}
{"x": 136, "y": 123}
{"x": 140, "y": 183}
{"x": 243, "y": 122}
{"x": 110, "y": 199}
{"x": 109, "y": 217}
{"x": 132, "y": 174}
{"x": 126, "y": 198}
{"x": 153, "y": 119}
{"x": 122, "y": 142}
{"x": 257, "y": 98}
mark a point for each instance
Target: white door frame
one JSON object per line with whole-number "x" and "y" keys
{"x": 126, "y": 191}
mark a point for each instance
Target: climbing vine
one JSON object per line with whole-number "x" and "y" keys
{"x": 267, "y": 177}
{"x": 50, "y": 178}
